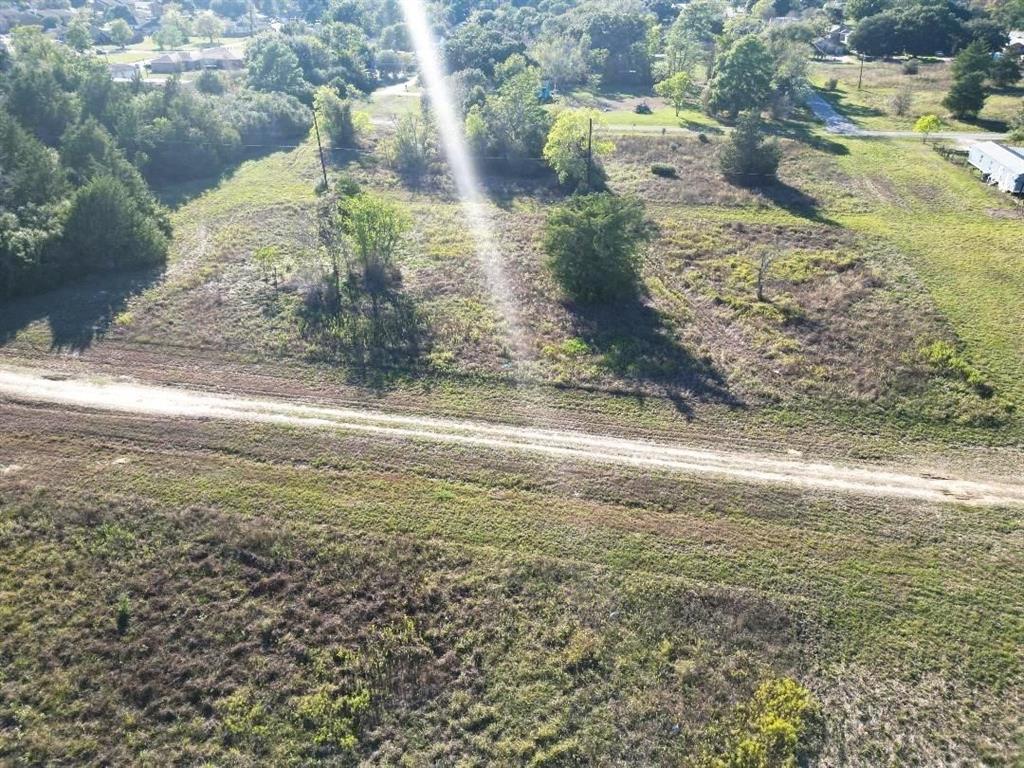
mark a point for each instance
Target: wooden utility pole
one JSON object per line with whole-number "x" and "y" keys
{"x": 319, "y": 146}
{"x": 860, "y": 77}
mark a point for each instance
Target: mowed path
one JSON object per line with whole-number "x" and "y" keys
{"x": 170, "y": 402}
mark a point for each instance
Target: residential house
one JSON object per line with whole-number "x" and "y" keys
{"x": 221, "y": 58}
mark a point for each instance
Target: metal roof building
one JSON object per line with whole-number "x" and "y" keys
{"x": 1001, "y": 166}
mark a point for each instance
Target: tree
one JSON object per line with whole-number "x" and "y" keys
{"x": 855, "y": 10}
{"x": 927, "y": 124}
{"x": 174, "y": 28}
{"x": 675, "y": 89}
{"x": 209, "y": 26}
{"x": 561, "y": 60}
{"x": 747, "y": 159}
{"x": 375, "y": 230}
{"x": 1017, "y": 126}
{"x": 617, "y": 35}
{"x": 120, "y": 33}
{"x": 1005, "y": 71}
{"x": 210, "y": 82}
{"x": 273, "y": 66}
{"x": 79, "y": 34}
{"x": 974, "y": 59}
{"x": 106, "y": 229}
{"x": 336, "y": 117}
{"x": 411, "y": 150}
{"x": 592, "y": 244}
{"x": 566, "y": 149}
{"x": 742, "y": 77}
{"x": 764, "y": 266}
{"x": 691, "y": 36}
{"x": 966, "y": 96}
{"x": 512, "y": 124}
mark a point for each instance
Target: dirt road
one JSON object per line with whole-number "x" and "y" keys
{"x": 160, "y": 401}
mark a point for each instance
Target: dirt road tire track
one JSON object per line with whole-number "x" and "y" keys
{"x": 169, "y": 402}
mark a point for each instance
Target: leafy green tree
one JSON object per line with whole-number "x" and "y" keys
{"x": 106, "y": 229}
{"x": 273, "y": 66}
{"x": 474, "y": 46}
{"x": 691, "y": 37}
{"x": 926, "y": 125}
{"x": 120, "y": 33}
{"x": 566, "y": 149}
{"x": 742, "y": 78}
{"x": 512, "y": 124}
{"x": 675, "y": 89}
{"x": 617, "y": 36}
{"x": 337, "y": 117}
{"x": 210, "y": 82}
{"x": 209, "y": 26}
{"x": 974, "y": 59}
{"x": 174, "y": 28}
{"x": 31, "y": 173}
{"x": 79, "y": 34}
{"x": 375, "y": 229}
{"x": 966, "y": 96}
{"x": 1005, "y": 71}
{"x": 747, "y": 159}
{"x": 561, "y": 60}
{"x": 855, "y": 10}
{"x": 592, "y": 244}
{"x": 412, "y": 149}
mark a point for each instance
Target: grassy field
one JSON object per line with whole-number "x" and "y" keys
{"x": 148, "y": 49}
{"x": 206, "y": 593}
{"x": 378, "y": 602}
{"x": 871, "y": 106}
{"x": 867, "y": 327}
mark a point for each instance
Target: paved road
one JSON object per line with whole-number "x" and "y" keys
{"x": 836, "y": 122}
{"x": 171, "y": 403}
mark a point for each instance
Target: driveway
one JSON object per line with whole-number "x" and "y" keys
{"x": 836, "y": 122}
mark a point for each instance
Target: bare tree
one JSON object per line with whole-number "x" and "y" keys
{"x": 763, "y": 268}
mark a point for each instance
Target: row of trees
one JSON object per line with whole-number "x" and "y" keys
{"x": 79, "y": 149}
{"x": 922, "y": 27}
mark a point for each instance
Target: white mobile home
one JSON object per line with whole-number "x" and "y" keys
{"x": 1000, "y": 165}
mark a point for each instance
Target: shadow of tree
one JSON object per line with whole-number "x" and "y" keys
{"x": 378, "y": 335}
{"x": 78, "y": 314}
{"x": 175, "y": 194}
{"x": 794, "y": 201}
{"x": 805, "y": 134}
{"x": 636, "y": 344}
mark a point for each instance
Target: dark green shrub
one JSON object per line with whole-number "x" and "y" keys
{"x": 592, "y": 244}
{"x": 663, "y": 169}
{"x": 747, "y": 159}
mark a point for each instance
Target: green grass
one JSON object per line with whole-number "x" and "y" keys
{"x": 964, "y": 241}
{"x": 253, "y": 599}
{"x": 870, "y": 105}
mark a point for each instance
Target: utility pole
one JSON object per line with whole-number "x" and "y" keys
{"x": 860, "y": 77}
{"x": 323, "y": 165}
{"x": 590, "y": 148}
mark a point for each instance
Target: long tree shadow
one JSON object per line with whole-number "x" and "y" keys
{"x": 636, "y": 344}
{"x": 805, "y": 133}
{"x": 795, "y": 201}
{"x": 378, "y": 335}
{"x": 78, "y": 314}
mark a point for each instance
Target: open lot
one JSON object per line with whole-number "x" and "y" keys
{"x": 870, "y": 106}
{"x": 195, "y": 590}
